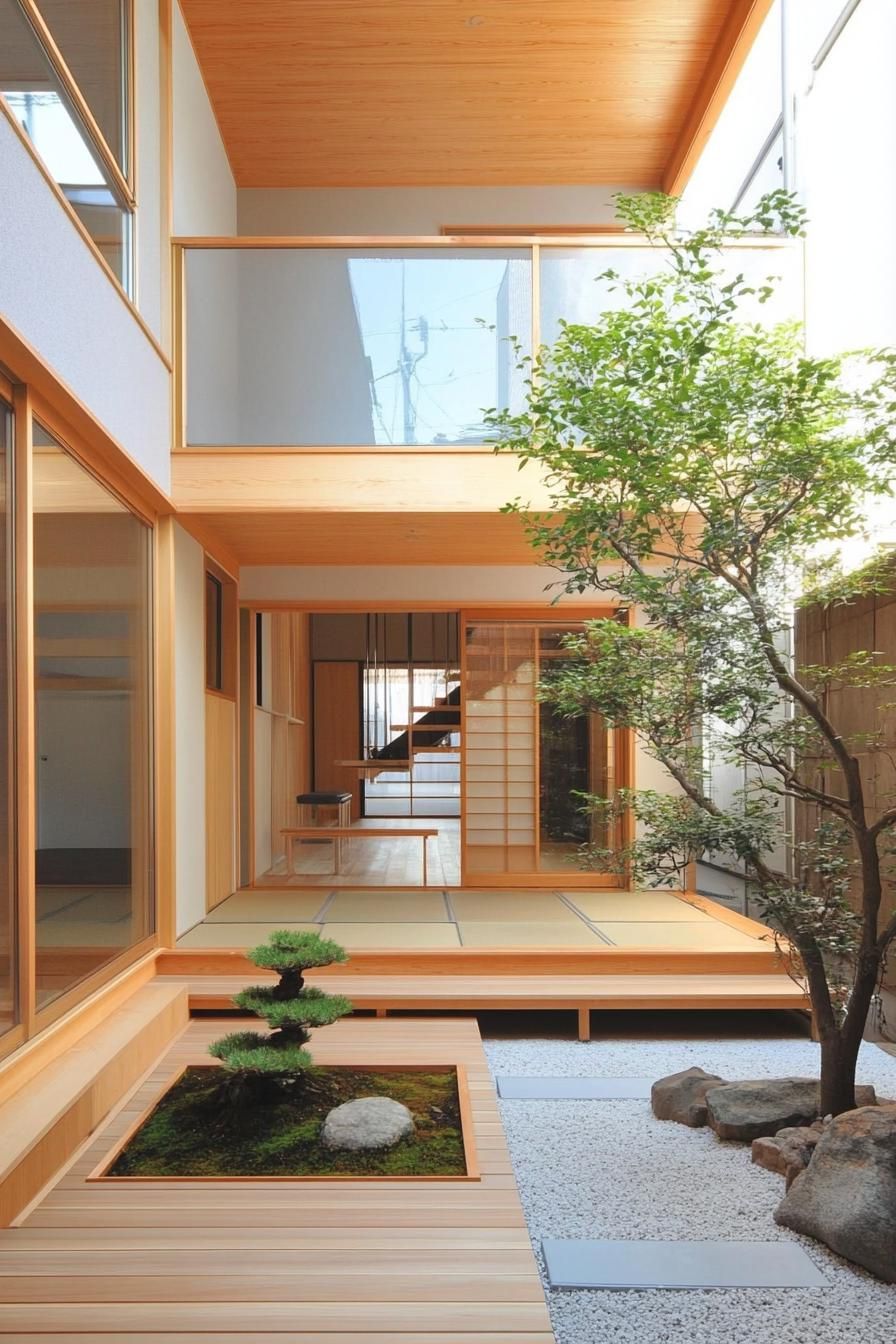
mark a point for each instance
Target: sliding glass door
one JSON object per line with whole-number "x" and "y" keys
{"x": 525, "y": 767}
{"x": 9, "y": 996}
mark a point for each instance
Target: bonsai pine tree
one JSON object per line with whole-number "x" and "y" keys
{"x": 290, "y": 1007}
{"x": 698, "y": 465}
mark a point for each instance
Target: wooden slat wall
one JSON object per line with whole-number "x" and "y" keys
{"x": 337, "y": 728}
{"x": 827, "y": 635}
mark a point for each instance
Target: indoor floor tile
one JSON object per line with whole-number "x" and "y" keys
{"x": 707, "y": 933}
{"x": 390, "y": 907}
{"x": 248, "y": 906}
{"x": 361, "y": 936}
{"x": 633, "y": 905}
{"x": 481, "y": 933}
{"x": 237, "y": 935}
{"x": 496, "y": 906}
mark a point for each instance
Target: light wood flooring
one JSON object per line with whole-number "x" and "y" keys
{"x": 347, "y": 1262}
{"x": 378, "y": 863}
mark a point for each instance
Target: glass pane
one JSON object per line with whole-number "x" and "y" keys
{"x": 38, "y": 101}
{"x": 572, "y": 289}
{"x": 8, "y": 979}
{"x": 332, "y": 347}
{"x": 93, "y": 641}
{"x": 214, "y": 611}
{"x": 91, "y": 37}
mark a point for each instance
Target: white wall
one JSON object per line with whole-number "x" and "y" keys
{"x": 402, "y": 583}
{"x": 417, "y": 210}
{"x": 204, "y": 190}
{"x": 189, "y": 721}
{"x": 84, "y": 770}
{"x": 59, "y": 299}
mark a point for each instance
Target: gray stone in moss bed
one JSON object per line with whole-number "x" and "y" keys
{"x": 367, "y": 1122}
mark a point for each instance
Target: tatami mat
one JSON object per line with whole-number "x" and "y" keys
{"x": 248, "y": 906}
{"x": 708, "y": 933}
{"x": 575, "y": 933}
{"x": 493, "y": 906}
{"x": 360, "y": 936}
{"x": 634, "y": 905}
{"x": 419, "y": 907}
{"x": 237, "y": 935}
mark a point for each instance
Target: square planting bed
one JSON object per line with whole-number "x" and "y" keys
{"x": 192, "y": 1133}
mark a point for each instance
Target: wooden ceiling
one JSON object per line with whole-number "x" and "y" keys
{"x": 467, "y": 92}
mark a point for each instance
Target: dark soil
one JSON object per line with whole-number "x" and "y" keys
{"x": 195, "y": 1131}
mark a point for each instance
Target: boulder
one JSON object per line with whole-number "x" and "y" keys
{"x": 681, "y": 1096}
{"x": 789, "y": 1151}
{"x": 750, "y": 1110}
{"x": 368, "y": 1122}
{"x": 846, "y": 1197}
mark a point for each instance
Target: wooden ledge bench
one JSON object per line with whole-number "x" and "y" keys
{"x": 338, "y": 834}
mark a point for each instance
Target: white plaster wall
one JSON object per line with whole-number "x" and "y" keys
{"x": 417, "y": 210}
{"x": 402, "y": 583}
{"x": 204, "y": 190}
{"x": 189, "y": 720}
{"x": 61, "y": 301}
{"x": 148, "y": 111}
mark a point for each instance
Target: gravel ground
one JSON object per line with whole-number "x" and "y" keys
{"x": 609, "y": 1169}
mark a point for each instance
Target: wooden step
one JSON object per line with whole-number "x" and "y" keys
{"x": 43, "y": 1123}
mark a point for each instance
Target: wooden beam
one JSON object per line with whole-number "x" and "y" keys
{"x": 744, "y": 21}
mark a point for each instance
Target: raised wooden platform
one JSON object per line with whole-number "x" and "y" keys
{"x": 348, "y": 1262}
{"x": 581, "y": 994}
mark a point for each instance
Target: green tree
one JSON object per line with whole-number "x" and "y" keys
{"x": 698, "y": 463}
{"x": 291, "y": 1009}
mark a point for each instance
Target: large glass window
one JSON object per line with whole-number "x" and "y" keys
{"x": 316, "y": 346}
{"x": 8, "y": 987}
{"x": 93, "y": 641}
{"x": 45, "y": 109}
{"x": 92, "y": 37}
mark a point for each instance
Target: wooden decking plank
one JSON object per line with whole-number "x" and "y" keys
{"x": 349, "y": 1262}
{"x": 252, "y": 1318}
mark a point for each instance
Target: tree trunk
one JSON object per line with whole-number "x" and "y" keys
{"x": 838, "y": 1074}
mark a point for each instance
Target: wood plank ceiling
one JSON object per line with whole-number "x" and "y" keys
{"x": 466, "y": 92}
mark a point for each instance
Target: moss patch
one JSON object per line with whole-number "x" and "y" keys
{"x": 193, "y": 1131}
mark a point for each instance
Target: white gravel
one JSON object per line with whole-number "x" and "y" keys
{"x": 609, "y": 1169}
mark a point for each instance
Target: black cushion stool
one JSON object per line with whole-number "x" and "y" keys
{"x": 309, "y": 813}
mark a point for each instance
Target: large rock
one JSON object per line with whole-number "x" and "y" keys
{"x": 750, "y": 1110}
{"x": 846, "y": 1197}
{"x": 682, "y": 1096}
{"x": 789, "y": 1151}
{"x": 368, "y": 1122}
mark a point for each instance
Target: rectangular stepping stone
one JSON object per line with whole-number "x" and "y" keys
{"x": 573, "y": 1089}
{"x": 679, "y": 1264}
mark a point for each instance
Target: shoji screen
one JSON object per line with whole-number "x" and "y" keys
{"x": 500, "y": 749}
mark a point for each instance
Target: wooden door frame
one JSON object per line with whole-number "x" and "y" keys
{"x": 525, "y": 611}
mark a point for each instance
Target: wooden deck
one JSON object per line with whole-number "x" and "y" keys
{"x": 347, "y": 1262}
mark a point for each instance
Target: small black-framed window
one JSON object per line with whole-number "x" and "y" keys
{"x": 214, "y": 633}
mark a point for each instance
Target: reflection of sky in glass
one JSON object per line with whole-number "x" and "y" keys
{"x": 46, "y": 121}
{"x": 434, "y": 330}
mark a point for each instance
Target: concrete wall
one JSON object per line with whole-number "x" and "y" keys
{"x": 204, "y": 189}
{"x": 417, "y": 210}
{"x": 189, "y": 720}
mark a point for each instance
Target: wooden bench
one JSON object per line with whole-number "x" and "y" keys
{"x": 339, "y": 833}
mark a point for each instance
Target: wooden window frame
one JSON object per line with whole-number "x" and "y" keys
{"x": 126, "y": 483}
